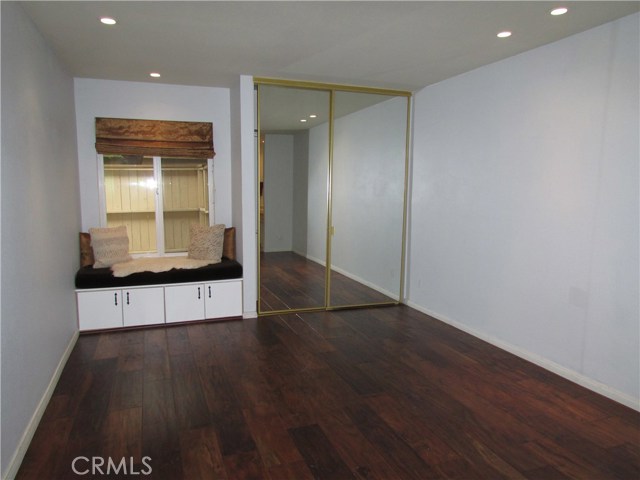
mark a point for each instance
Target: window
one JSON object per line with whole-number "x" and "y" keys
{"x": 157, "y": 199}
{"x": 156, "y": 179}
{"x": 185, "y": 200}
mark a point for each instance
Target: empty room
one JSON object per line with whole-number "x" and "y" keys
{"x": 320, "y": 240}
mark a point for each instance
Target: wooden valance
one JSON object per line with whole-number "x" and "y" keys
{"x": 157, "y": 138}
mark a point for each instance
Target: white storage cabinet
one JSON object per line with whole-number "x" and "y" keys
{"x": 151, "y": 305}
{"x": 183, "y": 303}
{"x": 222, "y": 299}
{"x": 113, "y": 308}
{"x": 203, "y": 300}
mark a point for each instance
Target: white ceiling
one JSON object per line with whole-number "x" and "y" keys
{"x": 397, "y": 44}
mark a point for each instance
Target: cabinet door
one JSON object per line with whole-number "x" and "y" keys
{"x": 183, "y": 303}
{"x": 100, "y": 309}
{"x": 223, "y": 299}
{"x": 143, "y": 306}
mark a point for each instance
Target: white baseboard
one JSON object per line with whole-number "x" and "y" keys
{"x": 27, "y": 436}
{"x": 353, "y": 277}
{"x": 249, "y": 314}
{"x": 366, "y": 283}
{"x": 319, "y": 261}
{"x": 547, "y": 364}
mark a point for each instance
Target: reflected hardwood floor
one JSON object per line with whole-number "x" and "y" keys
{"x": 290, "y": 281}
{"x": 386, "y": 393}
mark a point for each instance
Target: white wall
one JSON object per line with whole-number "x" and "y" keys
{"x": 369, "y": 149}
{"x": 286, "y": 159}
{"x": 300, "y": 191}
{"x": 244, "y": 180}
{"x": 525, "y": 205}
{"x": 278, "y": 193}
{"x": 367, "y": 190}
{"x": 317, "y": 197}
{"x": 108, "y": 98}
{"x": 40, "y": 224}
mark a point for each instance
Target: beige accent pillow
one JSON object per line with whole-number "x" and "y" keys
{"x": 110, "y": 245}
{"x": 229, "y": 246}
{"x": 206, "y": 242}
{"x": 86, "y": 252}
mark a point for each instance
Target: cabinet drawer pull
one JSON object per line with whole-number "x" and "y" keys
{"x": 209, "y": 291}
{"x": 115, "y": 297}
{"x": 127, "y": 298}
{"x": 198, "y": 293}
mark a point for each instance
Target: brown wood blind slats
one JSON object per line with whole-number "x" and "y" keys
{"x": 154, "y": 138}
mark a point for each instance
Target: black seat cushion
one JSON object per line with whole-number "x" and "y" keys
{"x": 89, "y": 277}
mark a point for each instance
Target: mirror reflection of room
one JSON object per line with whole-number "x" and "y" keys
{"x": 362, "y": 198}
{"x": 368, "y": 183}
{"x": 293, "y": 166}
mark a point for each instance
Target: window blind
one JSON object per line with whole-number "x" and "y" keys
{"x": 160, "y": 138}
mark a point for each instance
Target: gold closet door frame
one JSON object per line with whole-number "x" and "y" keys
{"x": 332, "y": 88}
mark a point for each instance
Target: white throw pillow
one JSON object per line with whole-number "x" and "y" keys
{"x": 206, "y": 242}
{"x": 110, "y": 245}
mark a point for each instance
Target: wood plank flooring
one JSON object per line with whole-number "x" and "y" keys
{"x": 386, "y": 393}
{"x": 290, "y": 281}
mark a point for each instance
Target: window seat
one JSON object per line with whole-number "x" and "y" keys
{"x": 144, "y": 298}
{"x": 89, "y": 277}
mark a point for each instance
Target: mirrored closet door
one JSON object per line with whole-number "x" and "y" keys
{"x": 367, "y": 201}
{"x": 293, "y": 172}
{"x": 332, "y": 195}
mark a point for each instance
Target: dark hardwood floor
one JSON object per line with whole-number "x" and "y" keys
{"x": 386, "y": 393}
{"x": 290, "y": 281}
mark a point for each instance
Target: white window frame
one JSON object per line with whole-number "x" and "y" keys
{"x": 157, "y": 176}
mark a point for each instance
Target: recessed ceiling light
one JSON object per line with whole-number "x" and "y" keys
{"x": 559, "y": 11}
{"x": 313, "y": 115}
{"x": 303, "y": 120}
{"x": 154, "y": 74}
{"x": 504, "y": 34}
{"x": 108, "y": 20}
